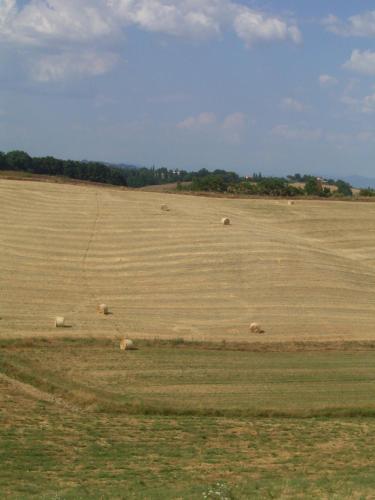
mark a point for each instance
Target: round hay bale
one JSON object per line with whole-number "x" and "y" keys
{"x": 165, "y": 208}
{"x": 103, "y": 309}
{"x": 225, "y": 221}
{"x": 291, "y": 202}
{"x": 59, "y": 322}
{"x": 256, "y": 328}
{"x": 126, "y": 345}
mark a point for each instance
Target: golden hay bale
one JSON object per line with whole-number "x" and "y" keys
{"x": 126, "y": 344}
{"x": 225, "y": 221}
{"x": 165, "y": 208}
{"x": 291, "y": 202}
{"x": 59, "y": 322}
{"x": 256, "y": 328}
{"x": 102, "y": 309}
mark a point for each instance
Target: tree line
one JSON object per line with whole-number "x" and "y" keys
{"x": 219, "y": 180}
{"x": 230, "y": 182}
{"x": 91, "y": 170}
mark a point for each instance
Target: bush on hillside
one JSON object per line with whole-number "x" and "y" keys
{"x": 344, "y": 188}
{"x": 367, "y": 192}
{"x": 313, "y": 187}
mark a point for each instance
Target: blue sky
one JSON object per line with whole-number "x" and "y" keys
{"x": 274, "y": 86}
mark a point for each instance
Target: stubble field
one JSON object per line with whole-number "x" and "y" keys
{"x": 305, "y": 272}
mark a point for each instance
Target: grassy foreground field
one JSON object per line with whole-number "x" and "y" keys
{"x": 172, "y": 378}
{"x": 80, "y": 419}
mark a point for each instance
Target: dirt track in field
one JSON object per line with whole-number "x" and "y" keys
{"x": 305, "y": 272}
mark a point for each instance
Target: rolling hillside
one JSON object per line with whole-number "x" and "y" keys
{"x": 305, "y": 272}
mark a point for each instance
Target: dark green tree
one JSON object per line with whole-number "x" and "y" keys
{"x": 272, "y": 186}
{"x": 344, "y": 188}
{"x": 313, "y": 187}
{"x": 3, "y": 162}
{"x": 367, "y": 192}
{"x": 18, "y": 160}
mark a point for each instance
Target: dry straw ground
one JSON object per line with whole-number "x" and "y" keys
{"x": 305, "y": 272}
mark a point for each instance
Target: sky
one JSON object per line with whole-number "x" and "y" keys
{"x": 277, "y": 86}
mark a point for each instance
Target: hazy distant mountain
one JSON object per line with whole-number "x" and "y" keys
{"x": 125, "y": 165}
{"x": 121, "y": 165}
{"x": 109, "y": 164}
{"x": 360, "y": 182}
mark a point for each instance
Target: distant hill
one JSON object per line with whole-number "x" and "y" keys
{"x": 122, "y": 165}
{"x": 360, "y": 182}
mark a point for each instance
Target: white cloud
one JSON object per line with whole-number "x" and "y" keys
{"x": 71, "y": 64}
{"x": 368, "y": 104}
{"x": 203, "y": 120}
{"x": 290, "y": 133}
{"x": 50, "y": 25}
{"x": 231, "y": 127}
{"x": 345, "y": 139}
{"x": 362, "y": 25}
{"x": 41, "y": 21}
{"x": 179, "y": 18}
{"x": 81, "y": 20}
{"x": 8, "y": 14}
{"x": 360, "y": 104}
{"x": 361, "y": 62}
{"x": 290, "y": 104}
{"x": 253, "y": 26}
{"x": 327, "y": 81}
{"x": 331, "y": 23}
{"x": 202, "y": 18}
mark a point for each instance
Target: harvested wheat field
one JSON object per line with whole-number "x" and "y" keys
{"x": 305, "y": 272}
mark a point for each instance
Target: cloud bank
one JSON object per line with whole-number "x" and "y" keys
{"x": 362, "y": 25}
{"x": 361, "y": 62}
{"x": 84, "y": 26}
